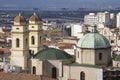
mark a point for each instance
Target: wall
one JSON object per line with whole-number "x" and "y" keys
{"x": 85, "y": 56}
{"x": 73, "y": 72}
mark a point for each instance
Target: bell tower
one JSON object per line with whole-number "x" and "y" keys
{"x": 20, "y": 41}
{"x": 35, "y": 33}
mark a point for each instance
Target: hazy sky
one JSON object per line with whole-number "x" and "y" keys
{"x": 60, "y": 3}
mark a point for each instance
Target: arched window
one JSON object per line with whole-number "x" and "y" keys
{"x": 17, "y": 42}
{"x": 54, "y": 72}
{"x": 34, "y": 70}
{"x": 32, "y": 40}
{"x": 82, "y": 76}
{"x": 100, "y": 56}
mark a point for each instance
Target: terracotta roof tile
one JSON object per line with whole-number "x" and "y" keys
{"x": 19, "y": 18}
{"x": 16, "y": 76}
{"x": 66, "y": 45}
{"x": 22, "y": 76}
{"x": 4, "y": 50}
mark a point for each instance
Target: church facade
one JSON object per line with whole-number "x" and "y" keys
{"x": 26, "y": 39}
{"x": 93, "y": 52}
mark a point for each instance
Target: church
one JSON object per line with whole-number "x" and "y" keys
{"x": 26, "y": 39}
{"x": 93, "y": 53}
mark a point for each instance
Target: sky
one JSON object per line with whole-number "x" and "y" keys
{"x": 55, "y": 4}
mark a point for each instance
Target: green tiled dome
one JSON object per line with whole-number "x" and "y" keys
{"x": 93, "y": 41}
{"x": 52, "y": 54}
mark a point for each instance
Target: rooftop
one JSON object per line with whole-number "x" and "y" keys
{"x": 19, "y": 18}
{"x": 52, "y": 54}
{"x": 65, "y": 45}
{"x": 16, "y": 76}
{"x": 22, "y": 76}
{"x": 4, "y": 51}
{"x": 93, "y": 41}
{"x": 35, "y": 18}
{"x": 85, "y": 65}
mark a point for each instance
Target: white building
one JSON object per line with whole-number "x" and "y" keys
{"x": 112, "y": 15}
{"x": 103, "y": 17}
{"x": 90, "y": 19}
{"x": 46, "y": 25}
{"x": 76, "y": 28}
{"x": 113, "y": 19}
{"x": 118, "y": 20}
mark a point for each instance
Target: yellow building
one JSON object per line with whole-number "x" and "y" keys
{"x": 25, "y": 38}
{"x": 35, "y": 33}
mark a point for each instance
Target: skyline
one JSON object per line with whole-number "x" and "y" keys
{"x": 57, "y": 4}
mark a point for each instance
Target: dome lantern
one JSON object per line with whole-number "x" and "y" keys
{"x": 34, "y": 13}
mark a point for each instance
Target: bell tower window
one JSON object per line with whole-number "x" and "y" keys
{"x": 17, "y": 42}
{"x": 32, "y": 40}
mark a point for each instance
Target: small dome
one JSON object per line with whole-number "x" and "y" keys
{"x": 35, "y": 18}
{"x": 93, "y": 41}
{"x": 19, "y": 18}
{"x": 52, "y": 54}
